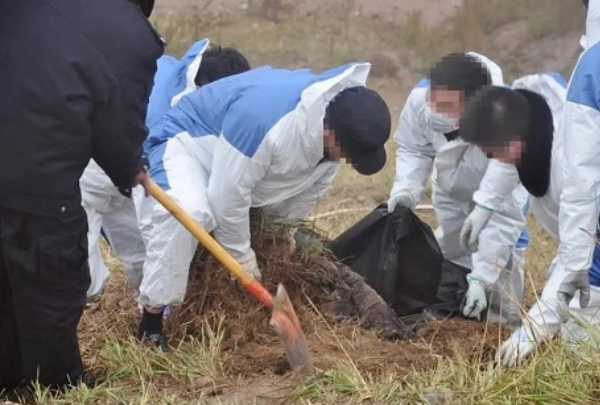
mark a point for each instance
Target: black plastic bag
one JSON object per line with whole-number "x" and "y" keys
{"x": 401, "y": 260}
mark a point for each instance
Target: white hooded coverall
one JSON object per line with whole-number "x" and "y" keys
{"x": 580, "y": 197}
{"x": 250, "y": 140}
{"x": 109, "y": 210}
{"x": 463, "y": 176}
{"x": 543, "y": 321}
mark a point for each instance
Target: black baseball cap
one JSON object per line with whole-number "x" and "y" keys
{"x": 361, "y": 122}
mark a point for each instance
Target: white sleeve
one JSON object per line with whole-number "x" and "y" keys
{"x": 234, "y": 176}
{"x": 497, "y": 242}
{"x": 298, "y": 207}
{"x": 497, "y": 185}
{"x": 414, "y": 154}
{"x": 543, "y": 317}
{"x": 592, "y": 23}
{"x": 578, "y": 218}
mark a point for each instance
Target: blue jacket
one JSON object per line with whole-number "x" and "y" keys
{"x": 173, "y": 78}
{"x": 258, "y": 136}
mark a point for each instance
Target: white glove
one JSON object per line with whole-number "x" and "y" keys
{"x": 571, "y": 283}
{"x": 517, "y": 347}
{"x": 402, "y": 198}
{"x": 248, "y": 262}
{"x": 474, "y": 224}
{"x": 476, "y": 300}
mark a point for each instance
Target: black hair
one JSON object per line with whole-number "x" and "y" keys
{"x": 218, "y": 62}
{"x": 586, "y": 3}
{"x": 459, "y": 71}
{"x": 535, "y": 165}
{"x": 496, "y": 115}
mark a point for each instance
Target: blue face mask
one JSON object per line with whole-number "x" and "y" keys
{"x": 440, "y": 122}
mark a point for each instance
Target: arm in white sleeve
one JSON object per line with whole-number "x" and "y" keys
{"x": 234, "y": 176}
{"x": 414, "y": 154}
{"x": 497, "y": 185}
{"x": 496, "y": 249}
{"x": 543, "y": 318}
{"x": 578, "y": 218}
{"x": 298, "y": 207}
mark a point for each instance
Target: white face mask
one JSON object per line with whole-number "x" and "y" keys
{"x": 440, "y": 122}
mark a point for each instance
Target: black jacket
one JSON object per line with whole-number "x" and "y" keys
{"x": 75, "y": 77}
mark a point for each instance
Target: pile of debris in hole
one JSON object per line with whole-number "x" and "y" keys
{"x": 312, "y": 277}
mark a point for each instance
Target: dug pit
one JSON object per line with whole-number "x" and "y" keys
{"x": 251, "y": 347}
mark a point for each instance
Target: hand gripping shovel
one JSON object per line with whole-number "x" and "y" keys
{"x": 283, "y": 317}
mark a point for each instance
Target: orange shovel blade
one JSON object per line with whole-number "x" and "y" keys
{"x": 287, "y": 326}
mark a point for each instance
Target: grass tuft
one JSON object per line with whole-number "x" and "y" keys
{"x": 229, "y": 355}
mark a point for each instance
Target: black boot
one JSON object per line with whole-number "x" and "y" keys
{"x": 150, "y": 331}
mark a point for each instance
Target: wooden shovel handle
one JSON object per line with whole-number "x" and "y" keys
{"x": 247, "y": 280}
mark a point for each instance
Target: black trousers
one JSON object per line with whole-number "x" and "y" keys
{"x": 44, "y": 277}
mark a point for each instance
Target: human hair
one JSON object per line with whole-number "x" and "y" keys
{"x": 459, "y": 71}
{"x": 494, "y": 116}
{"x": 218, "y": 62}
{"x": 536, "y": 160}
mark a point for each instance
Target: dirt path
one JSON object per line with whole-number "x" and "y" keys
{"x": 432, "y": 11}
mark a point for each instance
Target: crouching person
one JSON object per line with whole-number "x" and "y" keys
{"x": 524, "y": 126}
{"x": 464, "y": 181}
{"x": 265, "y": 138}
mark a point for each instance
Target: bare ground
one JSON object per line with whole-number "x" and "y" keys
{"x": 254, "y": 364}
{"x": 432, "y": 11}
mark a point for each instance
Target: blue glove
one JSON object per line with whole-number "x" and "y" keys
{"x": 474, "y": 224}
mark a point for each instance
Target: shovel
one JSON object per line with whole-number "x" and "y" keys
{"x": 283, "y": 316}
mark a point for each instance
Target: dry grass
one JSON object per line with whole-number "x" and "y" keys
{"x": 225, "y": 353}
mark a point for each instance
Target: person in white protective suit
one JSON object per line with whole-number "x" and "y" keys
{"x": 268, "y": 138}
{"x": 110, "y": 211}
{"x": 580, "y": 198}
{"x": 523, "y": 127}
{"x": 464, "y": 179}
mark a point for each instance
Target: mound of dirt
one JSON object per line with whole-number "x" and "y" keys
{"x": 253, "y": 348}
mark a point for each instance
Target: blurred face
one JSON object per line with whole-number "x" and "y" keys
{"x": 510, "y": 153}
{"x": 332, "y": 146}
{"x": 446, "y": 102}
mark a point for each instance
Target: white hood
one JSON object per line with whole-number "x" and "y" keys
{"x": 492, "y": 67}
{"x": 592, "y": 25}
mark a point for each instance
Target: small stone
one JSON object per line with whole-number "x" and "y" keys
{"x": 203, "y": 382}
{"x": 438, "y": 395}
